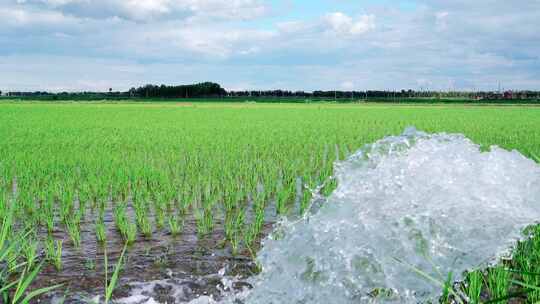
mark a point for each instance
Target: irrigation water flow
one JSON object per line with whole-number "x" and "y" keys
{"x": 405, "y": 205}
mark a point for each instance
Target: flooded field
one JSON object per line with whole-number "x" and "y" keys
{"x": 404, "y": 205}
{"x": 193, "y": 191}
{"x": 165, "y": 268}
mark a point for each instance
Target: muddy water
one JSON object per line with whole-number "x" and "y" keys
{"x": 171, "y": 269}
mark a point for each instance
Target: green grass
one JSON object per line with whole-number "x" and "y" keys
{"x": 164, "y": 161}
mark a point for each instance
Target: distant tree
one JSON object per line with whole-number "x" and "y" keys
{"x": 205, "y": 89}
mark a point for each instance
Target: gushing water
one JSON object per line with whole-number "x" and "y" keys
{"x": 430, "y": 203}
{"x": 405, "y": 205}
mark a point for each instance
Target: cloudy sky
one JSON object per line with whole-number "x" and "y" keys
{"x": 256, "y": 44}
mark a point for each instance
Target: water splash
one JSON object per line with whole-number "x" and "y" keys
{"x": 434, "y": 202}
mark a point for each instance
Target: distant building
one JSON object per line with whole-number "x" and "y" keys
{"x": 508, "y": 95}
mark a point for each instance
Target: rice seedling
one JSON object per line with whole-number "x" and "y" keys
{"x": 474, "y": 283}
{"x": 146, "y": 227}
{"x": 281, "y": 202}
{"x": 30, "y": 250}
{"x": 447, "y": 287}
{"x": 48, "y": 213}
{"x": 526, "y": 262}
{"x": 74, "y": 233}
{"x": 12, "y": 259}
{"x": 256, "y": 226}
{"x": 498, "y": 282}
{"x": 130, "y": 233}
{"x": 53, "y": 252}
{"x": 142, "y": 217}
{"x": 22, "y": 293}
{"x": 530, "y": 289}
{"x": 159, "y": 214}
{"x": 125, "y": 227}
{"x": 101, "y": 231}
{"x": 18, "y": 290}
{"x": 110, "y": 284}
{"x": 204, "y": 221}
{"x": 233, "y": 231}
{"x": 175, "y": 225}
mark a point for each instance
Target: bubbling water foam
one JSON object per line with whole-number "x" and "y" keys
{"x": 428, "y": 202}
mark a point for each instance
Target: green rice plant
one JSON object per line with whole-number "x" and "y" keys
{"x": 255, "y": 228}
{"x": 121, "y": 219}
{"x": 22, "y": 293}
{"x": 17, "y": 291}
{"x": 53, "y": 252}
{"x": 74, "y": 232}
{"x": 130, "y": 235}
{"x": 233, "y": 229}
{"x": 530, "y": 288}
{"x": 281, "y": 202}
{"x": 526, "y": 262}
{"x": 204, "y": 220}
{"x": 175, "y": 225}
{"x": 159, "y": 214}
{"x": 67, "y": 206}
{"x": 30, "y": 251}
{"x": 125, "y": 227}
{"x": 329, "y": 187}
{"x": 141, "y": 216}
{"x": 229, "y": 224}
{"x": 474, "y": 283}
{"x": 101, "y": 231}
{"x": 10, "y": 247}
{"x": 447, "y": 287}
{"x": 498, "y": 282}
{"x": 12, "y": 259}
{"x": 146, "y": 227}
{"x": 110, "y": 285}
{"x": 48, "y": 212}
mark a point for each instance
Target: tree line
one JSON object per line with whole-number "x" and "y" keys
{"x": 199, "y": 90}
{"x": 378, "y": 94}
{"x": 210, "y": 91}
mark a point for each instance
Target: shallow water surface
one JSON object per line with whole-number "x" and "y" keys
{"x": 176, "y": 269}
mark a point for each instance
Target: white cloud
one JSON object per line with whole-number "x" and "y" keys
{"x": 148, "y": 10}
{"x": 197, "y": 43}
{"x": 343, "y": 24}
{"x": 18, "y": 17}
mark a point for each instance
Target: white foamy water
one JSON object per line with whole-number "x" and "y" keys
{"x": 434, "y": 202}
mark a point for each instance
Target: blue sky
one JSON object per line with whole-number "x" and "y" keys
{"x": 75, "y": 45}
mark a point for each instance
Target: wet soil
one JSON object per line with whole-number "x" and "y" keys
{"x": 166, "y": 268}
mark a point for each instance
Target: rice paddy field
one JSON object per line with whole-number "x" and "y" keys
{"x": 190, "y": 189}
